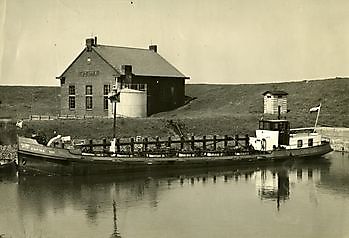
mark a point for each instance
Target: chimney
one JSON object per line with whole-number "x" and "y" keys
{"x": 153, "y": 48}
{"x": 95, "y": 43}
{"x": 128, "y": 73}
{"x": 89, "y": 43}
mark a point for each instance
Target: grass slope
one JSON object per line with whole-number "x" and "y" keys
{"x": 217, "y": 109}
{"x": 22, "y": 101}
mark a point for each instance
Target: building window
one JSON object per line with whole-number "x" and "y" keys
{"x": 88, "y": 102}
{"x": 106, "y": 90}
{"x": 299, "y": 143}
{"x": 310, "y": 142}
{"x": 88, "y": 89}
{"x": 268, "y": 96}
{"x": 71, "y": 90}
{"x": 105, "y": 102}
{"x": 71, "y": 102}
{"x": 279, "y": 96}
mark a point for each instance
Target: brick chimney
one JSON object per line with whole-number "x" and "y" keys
{"x": 89, "y": 43}
{"x": 128, "y": 73}
{"x": 153, "y": 48}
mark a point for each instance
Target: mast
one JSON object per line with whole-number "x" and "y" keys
{"x": 317, "y": 117}
{"x": 114, "y": 98}
{"x": 114, "y": 122}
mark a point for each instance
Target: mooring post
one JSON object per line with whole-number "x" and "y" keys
{"x": 132, "y": 145}
{"x": 192, "y": 142}
{"x": 214, "y": 142}
{"x": 157, "y": 143}
{"x": 169, "y": 142}
{"x": 145, "y": 145}
{"x": 91, "y": 145}
{"x": 104, "y": 144}
{"x": 204, "y": 143}
{"x": 117, "y": 142}
{"x": 247, "y": 140}
{"x": 225, "y": 142}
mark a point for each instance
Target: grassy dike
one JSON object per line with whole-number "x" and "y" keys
{"x": 160, "y": 126}
{"x": 216, "y": 110}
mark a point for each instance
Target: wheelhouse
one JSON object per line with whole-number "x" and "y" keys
{"x": 282, "y": 126}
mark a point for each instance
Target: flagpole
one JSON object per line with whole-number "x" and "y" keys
{"x": 317, "y": 117}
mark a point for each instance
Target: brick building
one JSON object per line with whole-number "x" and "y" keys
{"x": 273, "y": 100}
{"x": 86, "y": 82}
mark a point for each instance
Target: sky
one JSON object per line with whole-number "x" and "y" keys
{"x": 211, "y": 41}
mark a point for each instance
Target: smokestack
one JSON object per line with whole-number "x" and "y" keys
{"x": 153, "y": 48}
{"x": 95, "y": 43}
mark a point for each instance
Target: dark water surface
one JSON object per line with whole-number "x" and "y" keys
{"x": 292, "y": 199}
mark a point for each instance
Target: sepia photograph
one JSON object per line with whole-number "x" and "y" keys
{"x": 167, "y": 119}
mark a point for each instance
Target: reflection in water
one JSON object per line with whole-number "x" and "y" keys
{"x": 116, "y": 233}
{"x": 273, "y": 186}
{"x": 110, "y": 203}
{"x": 336, "y": 178}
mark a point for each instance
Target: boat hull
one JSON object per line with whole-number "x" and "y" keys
{"x": 8, "y": 167}
{"x": 35, "y": 158}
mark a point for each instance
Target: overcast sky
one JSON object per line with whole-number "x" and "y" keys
{"x": 221, "y": 41}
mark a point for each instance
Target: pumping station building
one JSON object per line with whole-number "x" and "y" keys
{"x": 147, "y": 83}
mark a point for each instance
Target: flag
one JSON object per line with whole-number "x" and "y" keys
{"x": 19, "y": 124}
{"x": 315, "y": 109}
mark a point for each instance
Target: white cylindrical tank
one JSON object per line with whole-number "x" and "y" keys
{"x": 133, "y": 103}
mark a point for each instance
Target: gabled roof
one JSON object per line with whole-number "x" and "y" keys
{"x": 144, "y": 62}
{"x": 276, "y": 92}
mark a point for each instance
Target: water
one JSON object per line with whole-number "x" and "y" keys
{"x": 293, "y": 199}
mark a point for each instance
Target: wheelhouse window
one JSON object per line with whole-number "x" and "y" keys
{"x": 310, "y": 142}
{"x": 274, "y": 125}
{"x": 299, "y": 143}
{"x": 89, "y": 103}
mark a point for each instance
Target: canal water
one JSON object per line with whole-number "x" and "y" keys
{"x": 292, "y": 199}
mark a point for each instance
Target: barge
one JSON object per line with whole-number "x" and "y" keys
{"x": 274, "y": 142}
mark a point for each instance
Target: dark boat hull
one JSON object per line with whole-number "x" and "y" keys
{"x": 8, "y": 167}
{"x": 35, "y": 158}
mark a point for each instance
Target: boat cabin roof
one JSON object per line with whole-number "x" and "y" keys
{"x": 274, "y": 125}
{"x": 275, "y": 120}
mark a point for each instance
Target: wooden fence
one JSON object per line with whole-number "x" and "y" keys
{"x": 62, "y": 117}
{"x": 192, "y": 144}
